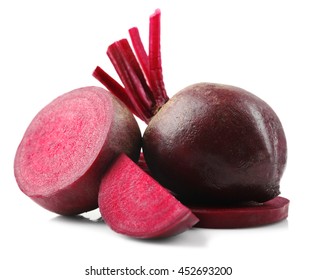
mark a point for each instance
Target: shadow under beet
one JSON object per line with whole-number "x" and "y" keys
{"x": 91, "y": 217}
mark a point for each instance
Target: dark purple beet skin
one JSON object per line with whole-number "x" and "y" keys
{"x": 214, "y": 143}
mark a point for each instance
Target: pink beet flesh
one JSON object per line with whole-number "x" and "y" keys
{"x": 269, "y": 212}
{"x": 68, "y": 146}
{"x": 133, "y": 203}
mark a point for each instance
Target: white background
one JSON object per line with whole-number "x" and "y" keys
{"x": 266, "y": 47}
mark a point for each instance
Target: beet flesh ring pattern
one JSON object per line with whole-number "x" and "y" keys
{"x": 214, "y": 143}
{"x": 68, "y": 146}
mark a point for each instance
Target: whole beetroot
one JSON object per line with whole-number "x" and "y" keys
{"x": 216, "y": 143}
{"x": 217, "y": 148}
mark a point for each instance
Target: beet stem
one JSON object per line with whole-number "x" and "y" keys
{"x": 114, "y": 87}
{"x": 141, "y": 74}
{"x": 129, "y": 79}
{"x": 145, "y": 95}
{"x": 155, "y": 65}
{"x": 140, "y": 51}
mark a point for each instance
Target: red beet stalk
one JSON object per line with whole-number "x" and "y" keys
{"x": 143, "y": 90}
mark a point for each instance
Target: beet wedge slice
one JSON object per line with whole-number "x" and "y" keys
{"x": 133, "y": 203}
{"x": 268, "y": 212}
{"x": 68, "y": 146}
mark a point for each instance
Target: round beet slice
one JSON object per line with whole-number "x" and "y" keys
{"x": 131, "y": 202}
{"x": 68, "y": 146}
{"x": 268, "y": 212}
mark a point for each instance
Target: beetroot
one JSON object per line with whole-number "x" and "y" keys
{"x": 69, "y": 145}
{"x": 209, "y": 143}
{"x": 133, "y": 203}
{"x": 251, "y": 215}
{"x": 215, "y": 143}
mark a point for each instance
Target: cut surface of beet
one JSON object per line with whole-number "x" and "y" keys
{"x": 268, "y": 212}
{"x": 69, "y": 144}
{"x": 133, "y": 203}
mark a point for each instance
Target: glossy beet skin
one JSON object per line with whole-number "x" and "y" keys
{"x": 215, "y": 143}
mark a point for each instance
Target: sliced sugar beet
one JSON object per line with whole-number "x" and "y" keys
{"x": 269, "y": 212}
{"x": 68, "y": 146}
{"x": 133, "y": 203}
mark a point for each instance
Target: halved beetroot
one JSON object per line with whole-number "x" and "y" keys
{"x": 268, "y": 212}
{"x": 69, "y": 145}
{"x": 133, "y": 203}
